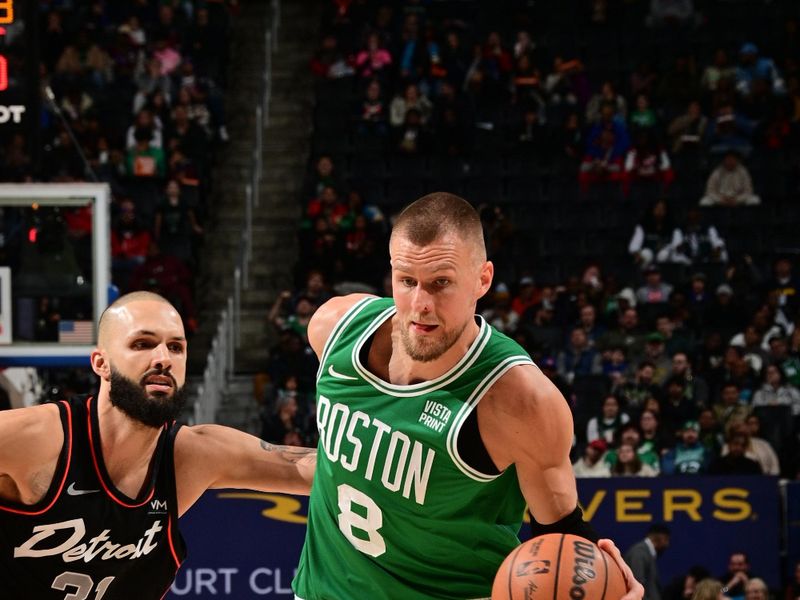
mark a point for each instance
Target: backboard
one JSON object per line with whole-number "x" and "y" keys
{"x": 55, "y": 271}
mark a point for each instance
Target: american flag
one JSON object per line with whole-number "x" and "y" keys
{"x": 75, "y": 332}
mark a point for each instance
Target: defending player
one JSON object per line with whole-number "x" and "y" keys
{"x": 435, "y": 429}
{"x": 91, "y": 490}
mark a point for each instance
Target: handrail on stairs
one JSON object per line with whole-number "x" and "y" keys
{"x": 220, "y": 361}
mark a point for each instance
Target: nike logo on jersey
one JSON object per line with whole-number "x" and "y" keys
{"x": 336, "y": 375}
{"x": 72, "y": 491}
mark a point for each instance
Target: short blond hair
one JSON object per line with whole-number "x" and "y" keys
{"x": 425, "y": 220}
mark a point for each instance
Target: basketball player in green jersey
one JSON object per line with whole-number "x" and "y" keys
{"x": 435, "y": 430}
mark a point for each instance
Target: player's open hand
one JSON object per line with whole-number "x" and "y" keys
{"x": 635, "y": 589}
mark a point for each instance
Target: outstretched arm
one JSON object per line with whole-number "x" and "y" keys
{"x": 213, "y": 456}
{"x": 524, "y": 420}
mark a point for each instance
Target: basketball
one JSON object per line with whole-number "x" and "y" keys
{"x": 558, "y": 566}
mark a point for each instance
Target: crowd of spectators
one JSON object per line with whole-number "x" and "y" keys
{"x": 140, "y": 85}
{"x": 634, "y": 167}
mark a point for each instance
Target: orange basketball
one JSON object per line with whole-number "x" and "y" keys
{"x": 558, "y": 566}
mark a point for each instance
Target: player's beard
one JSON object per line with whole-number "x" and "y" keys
{"x": 428, "y": 348}
{"x": 151, "y": 410}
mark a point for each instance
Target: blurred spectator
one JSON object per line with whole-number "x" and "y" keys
{"x": 652, "y": 442}
{"x": 170, "y": 277}
{"x": 567, "y": 84}
{"x": 373, "y": 59}
{"x": 709, "y": 589}
{"x": 695, "y": 243}
{"x": 785, "y": 284}
{"x": 695, "y": 387}
{"x": 325, "y": 175}
{"x": 588, "y": 322}
{"x": 643, "y": 116}
{"x": 607, "y": 96}
{"x": 719, "y": 69}
{"x": 149, "y": 79}
{"x": 775, "y": 392}
{"x": 578, "y": 358}
{"x": 629, "y": 434}
{"x": 145, "y": 120}
{"x": 756, "y": 448}
{"x": 737, "y": 370}
{"x": 734, "y": 461}
{"x": 603, "y": 161}
{"x": 187, "y": 136}
{"x": 297, "y": 318}
{"x": 528, "y": 295}
{"x": 175, "y": 224}
{"x": 737, "y": 576}
{"x": 372, "y": 113}
{"x": 647, "y": 166}
{"x": 642, "y": 558}
{"x": 654, "y": 290}
{"x": 130, "y": 241}
{"x": 687, "y": 132}
{"x": 651, "y": 237}
{"x": 655, "y": 355}
{"x": 499, "y": 315}
{"x": 626, "y": 335}
{"x": 689, "y": 456}
{"x": 542, "y": 333}
{"x": 676, "y": 408}
{"x": 730, "y": 132}
{"x": 730, "y": 184}
{"x": 327, "y": 206}
{"x": 753, "y": 67}
{"x": 606, "y": 425}
{"x": 411, "y": 100}
{"x": 283, "y": 419}
{"x": 329, "y": 62}
{"x": 710, "y": 433}
{"x": 591, "y": 464}
{"x": 144, "y": 160}
{"x": 412, "y": 138}
{"x": 724, "y": 313}
{"x": 630, "y": 465}
{"x": 750, "y": 340}
{"x": 756, "y": 589}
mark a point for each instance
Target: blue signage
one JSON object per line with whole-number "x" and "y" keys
{"x": 247, "y": 544}
{"x": 709, "y": 518}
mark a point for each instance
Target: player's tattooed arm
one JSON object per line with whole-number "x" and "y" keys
{"x": 305, "y": 459}
{"x": 292, "y": 454}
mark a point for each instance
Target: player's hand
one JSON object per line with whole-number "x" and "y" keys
{"x": 635, "y": 589}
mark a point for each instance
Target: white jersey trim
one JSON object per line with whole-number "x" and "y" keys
{"x": 424, "y": 387}
{"x": 477, "y": 394}
{"x": 338, "y": 329}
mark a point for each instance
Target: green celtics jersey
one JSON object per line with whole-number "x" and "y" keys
{"x": 395, "y": 512}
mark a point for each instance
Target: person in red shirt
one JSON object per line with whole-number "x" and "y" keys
{"x": 527, "y": 296}
{"x": 129, "y": 242}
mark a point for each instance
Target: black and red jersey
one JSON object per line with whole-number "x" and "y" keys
{"x": 85, "y": 538}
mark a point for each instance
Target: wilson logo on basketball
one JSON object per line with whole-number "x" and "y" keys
{"x": 582, "y": 569}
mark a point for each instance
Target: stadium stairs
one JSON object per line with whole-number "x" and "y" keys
{"x": 276, "y": 219}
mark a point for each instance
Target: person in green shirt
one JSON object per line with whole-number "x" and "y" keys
{"x": 435, "y": 430}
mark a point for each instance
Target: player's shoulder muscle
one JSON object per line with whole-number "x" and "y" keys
{"x": 327, "y": 316}
{"x": 522, "y": 402}
{"x": 28, "y": 436}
